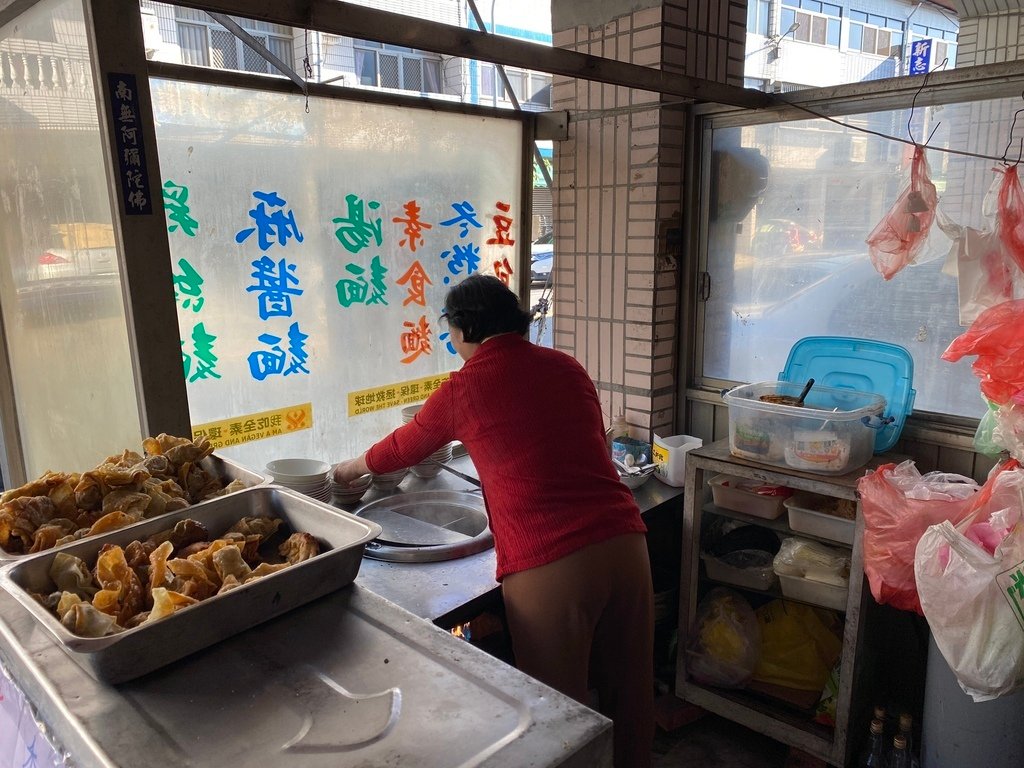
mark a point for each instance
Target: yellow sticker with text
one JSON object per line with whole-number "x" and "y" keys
{"x": 256, "y": 426}
{"x": 404, "y": 393}
{"x": 660, "y": 454}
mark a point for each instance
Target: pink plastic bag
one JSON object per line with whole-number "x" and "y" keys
{"x": 900, "y": 235}
{"x": 893, "y": 526}
{"x": 996, "y": 338}
{"x": 1010, "y": 219}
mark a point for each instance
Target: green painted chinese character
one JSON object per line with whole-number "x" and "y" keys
{"x": 176, "y": 203}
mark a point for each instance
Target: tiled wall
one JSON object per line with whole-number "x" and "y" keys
{"x": 990, "y": 39}
{"x": 618, "y": 200}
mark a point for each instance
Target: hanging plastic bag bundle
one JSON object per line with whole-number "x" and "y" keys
{"x": 899, "y": 236}
{"x": 1010, "y": 219}
{"x": 978, "y": 261}
{"x": 899, "y": 504}
{"x": 971, "y": 581}
{"x": 996, "y": 339}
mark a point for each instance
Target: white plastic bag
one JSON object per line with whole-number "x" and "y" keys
{"x": 973, "y": 600}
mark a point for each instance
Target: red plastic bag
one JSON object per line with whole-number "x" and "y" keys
{"x": 893, "y": 525}
{"x": 900, "y": 235}
{"x": 996, "y": 338}
{"x": 1010, "y": 219}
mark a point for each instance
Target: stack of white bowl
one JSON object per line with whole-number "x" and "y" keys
{"x": 388, "y": 480}
{"x": 442, "y": 455}
{"x": 351, "y": 493}
{"x": 308, "y": 476}
{"x": 428, "y": 469}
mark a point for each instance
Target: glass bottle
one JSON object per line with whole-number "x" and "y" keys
{"x": 906, "y": 730}
{"x": 874, "y": 752}
{"x": 900, "y": 756}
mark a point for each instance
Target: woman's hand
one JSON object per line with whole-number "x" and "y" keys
{"x": 347, "y": 471}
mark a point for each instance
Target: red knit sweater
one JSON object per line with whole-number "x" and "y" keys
{"x": 531, "y": 421}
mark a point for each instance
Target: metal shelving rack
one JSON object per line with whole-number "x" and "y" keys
{"x": 776, "y": 720}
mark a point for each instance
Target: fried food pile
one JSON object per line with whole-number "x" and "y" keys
{"x": 60, "y": 507}
{"x": 149, "y": 579}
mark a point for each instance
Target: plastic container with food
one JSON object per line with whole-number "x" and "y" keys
{"x": 751, "y": 497}
{"x": 832, "y": 433}
{"x": 823, "y": 516}
{"x": 749, "y": 568}
{"x": 813, "y": 572}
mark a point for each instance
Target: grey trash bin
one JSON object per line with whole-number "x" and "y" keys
{"x": 957, "y": 732}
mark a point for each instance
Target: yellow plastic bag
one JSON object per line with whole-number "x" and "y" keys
{"x": 798, "y": 650}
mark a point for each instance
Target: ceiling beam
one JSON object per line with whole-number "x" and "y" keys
{"x": 340, "y": 18}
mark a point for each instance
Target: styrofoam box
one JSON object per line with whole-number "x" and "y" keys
{"x": 741, "y": 495}
{"x": 751, "y": 578}
{"x": 831, "y": 434}
{"x": 814, "y": 592}
{"x": 805, "y": 520}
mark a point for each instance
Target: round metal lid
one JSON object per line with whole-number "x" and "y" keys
{"x": 428, "y": 526}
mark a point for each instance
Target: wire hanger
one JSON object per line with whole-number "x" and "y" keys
{"x": 913, "y": 105}
{"x": 1009, "y": 141}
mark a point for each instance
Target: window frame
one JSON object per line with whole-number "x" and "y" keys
{"x": 870, "y": 22}
{"x": 833, "y": 22}
{"x": 531, "y": 82}
{"x": 261, "y": 30}
{"x": 404, "y": 57}
{"x": 993, "y": 82}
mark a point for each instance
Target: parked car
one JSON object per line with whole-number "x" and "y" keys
{"x": 79, "y": 271}
{"x": 79, "y": 251}
{"x": 542, "y": 257}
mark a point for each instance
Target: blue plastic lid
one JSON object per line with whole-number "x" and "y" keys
{"x": 861, "y": 364}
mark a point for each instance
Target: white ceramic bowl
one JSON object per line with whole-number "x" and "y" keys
{"x": 353, "y": 492}
{"x": 426, "y": 471}
{"x": 410, "y": 411}
{"x": 389, "y": 480}
{"x": 297, "y": 470}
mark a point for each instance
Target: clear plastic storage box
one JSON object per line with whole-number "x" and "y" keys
{"x": 818, "y": 516}
{"x": 748, "y": 568}
{"x": 832, "y": 433}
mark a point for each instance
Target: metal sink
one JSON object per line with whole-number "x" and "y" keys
{"x": 428, "y": 526}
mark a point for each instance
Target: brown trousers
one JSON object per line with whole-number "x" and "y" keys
{"x": 587, "y": 621}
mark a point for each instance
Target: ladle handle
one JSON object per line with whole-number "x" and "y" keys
{"x": 807, "y": 388}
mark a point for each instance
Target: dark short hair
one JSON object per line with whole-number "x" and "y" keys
{"x": 482, "y": 306}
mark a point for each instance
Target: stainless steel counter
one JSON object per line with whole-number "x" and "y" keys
{"x": 353, "y": 679}
{"x": 454, "y": 591}
{"x": 348, "y": 680}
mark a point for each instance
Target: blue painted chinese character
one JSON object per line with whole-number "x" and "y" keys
{"x": 275, "y": 282}
{"x": 263, "y": 362}
{"x": 275, "y": 361}
{"x": 277, "y": 224}
{"x": 297, "y": 349}
{"x": 459, "y": 257}
{"x": 465, "y": 219}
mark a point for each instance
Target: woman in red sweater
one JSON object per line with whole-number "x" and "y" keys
{"x": 569, "y": 541}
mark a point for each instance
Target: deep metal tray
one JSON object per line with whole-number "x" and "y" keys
{"x": 225, "y": 469}
{"x": 134, "y": 652}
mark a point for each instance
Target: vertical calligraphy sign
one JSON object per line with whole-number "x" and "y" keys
{"x": 131, "y": 152}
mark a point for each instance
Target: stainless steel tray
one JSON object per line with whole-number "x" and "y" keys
{"x": 225, "y": 469}
{"x": 134, "y": 652}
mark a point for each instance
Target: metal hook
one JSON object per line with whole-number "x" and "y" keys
{"x": 1009, "y": 141}
{"x": 913, "y": 106}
